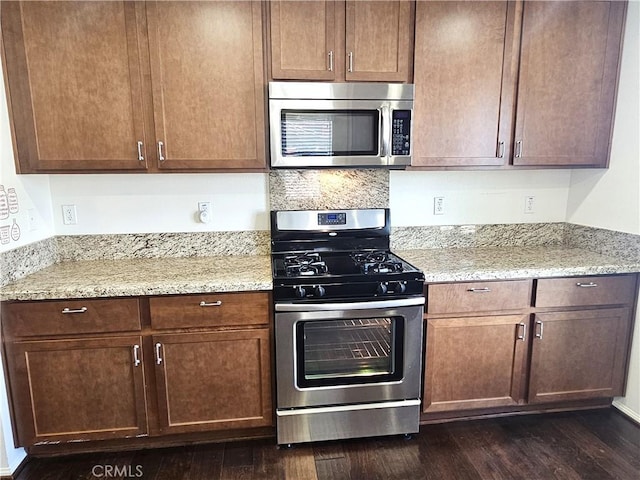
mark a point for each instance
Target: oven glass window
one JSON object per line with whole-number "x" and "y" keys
{"x": 338, "y": 352}
{"x": 323, "y": 133}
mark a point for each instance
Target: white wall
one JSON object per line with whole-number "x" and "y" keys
{"x": 478, "y": 197}
{"x": 611, "y": 198}
{"x": 153, "y": 203}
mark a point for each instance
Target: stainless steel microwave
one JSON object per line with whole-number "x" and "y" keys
{"x": 316, "y": 124}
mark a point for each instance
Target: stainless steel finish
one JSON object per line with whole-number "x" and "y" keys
{"x": 523, "y": 335}
{"x": 160, "y": 155}
{"x": 331, "y": 60}
{"x": 385, "y": 134}
{"x": 136, "y": 356}
{"x": 331, "y": 423}
{"x": 67, "y": 310}
{"x": 307, "y": 220}
{"x": 140, "y": 156}
{"x": 586, "y": 285}
{"x": 211, "y": 304}
{"x": 347, "y": 307}
{"x": 539, "y": 331}
{"x": 158, "y": 346}
{"x": 500, "y": 149}
{"x": 291, "y": 395}
{"x": 479, "y": 290}
{"x": 340, "y": 91}
{"x": 350, "y": 62}
{"x": 518, "y": 152}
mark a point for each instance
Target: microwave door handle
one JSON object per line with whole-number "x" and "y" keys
{"x": 385, "y": 115}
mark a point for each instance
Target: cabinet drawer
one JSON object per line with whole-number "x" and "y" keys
{"x": 478, "y": 296}
{"x": 584, "y": 291}
{"x": 69, "y": 317}
{"x": 210, "y": 310}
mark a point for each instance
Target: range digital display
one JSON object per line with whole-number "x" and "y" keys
{"x": 334, "y": 218}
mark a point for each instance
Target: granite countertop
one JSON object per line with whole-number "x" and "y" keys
{"x": 146, "y": 276}
{"x": 495, "y": 263}
{"x": 165, "y": 276}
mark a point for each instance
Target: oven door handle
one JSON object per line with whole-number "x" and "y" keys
{"x": 323, "y": 307}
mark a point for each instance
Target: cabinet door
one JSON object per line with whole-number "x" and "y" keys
{"x": 208, "y": 84}
{"x": 74, "y": 85}
{"x": 213, "y": 381}
{"x": 579, "y": 355}
{"x": 567, "y": 83}
{"x": 303, "y": 40}
{"x": 69, "y": 390}
{"x": 378, "y": 38}
{"x": 474, "y": 362}
{"x": 465, "y": 56}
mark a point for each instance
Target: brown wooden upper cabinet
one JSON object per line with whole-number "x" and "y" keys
{"x": 472, "y": 57}
{"x": 135, "y": 86}
{"x": 337, "y": 41}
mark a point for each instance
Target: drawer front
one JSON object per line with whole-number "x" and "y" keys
{"x": 210, "y": 310}
{"x": 478, "y": 296}
{"x": 70, "y": 317}
{"x": 585, "y": 291}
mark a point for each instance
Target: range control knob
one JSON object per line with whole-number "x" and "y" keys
{"x": 319, "y": 291}
{"x": 300, "y": 292}
{"x": 399, "y": 287}
{"x": 382, "y": 289}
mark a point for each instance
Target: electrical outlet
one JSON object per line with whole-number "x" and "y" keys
{"x": 204, "y": 212}
{"x": 529, "y": 203}
{"x": 69, "y": 215}
{"x": 438, "y": 205}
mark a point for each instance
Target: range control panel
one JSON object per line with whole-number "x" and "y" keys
{"x": 400, "y": 132}
{"x": 333, "y": 218}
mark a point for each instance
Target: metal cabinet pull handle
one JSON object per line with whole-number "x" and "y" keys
{"x": 523, "y": 335}
{"x": 160, "y": 155}
{"x": 211, "y": 304}
{"x": 539, "y": 334}
{"x": 78, "y": 310}
{"x": 501, "y": 150}
{"x": 518, "y": 153}
{"x": 158, "y": 357}
{"x": 351, "y": 61}
{"x": 140, "y": 156}
{"x": 586, "y": 285}
{"x": 479, "y": 290}
{"x": 136, "y": 356}
{"x": 331, "y": 61}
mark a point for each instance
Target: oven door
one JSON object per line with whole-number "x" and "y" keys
{"x": 346, "y": 353}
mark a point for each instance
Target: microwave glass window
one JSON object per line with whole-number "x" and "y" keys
{"x": 359, "y": 350}
{"x": 321, "y": 133}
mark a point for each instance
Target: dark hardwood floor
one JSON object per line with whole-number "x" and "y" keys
{"x": 599, "y": 445}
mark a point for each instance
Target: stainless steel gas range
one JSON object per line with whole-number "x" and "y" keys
{"x": 348, "y": 327}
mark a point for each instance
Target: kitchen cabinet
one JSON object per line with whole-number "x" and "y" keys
{"x": 219, "y": 377}
{"x": 97, "y": 369}
{"x": 346, "y": 41}
{"x": 135, "y": 86}
{"x": 472, "y": 57}
{"x": 475, "y": 361}
{"x": 66, "y": 386}
{"x": 481, "y": 335}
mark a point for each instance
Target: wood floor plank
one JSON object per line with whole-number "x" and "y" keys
{"x": 442, "y": 456}
{"x": 206, "y": 462}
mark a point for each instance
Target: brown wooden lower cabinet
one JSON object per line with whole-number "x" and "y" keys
{"x": 83, "y": 389}
{"x": 474, "y": 362}
{"x": 578, "y": 355}
{"x": 213, "y": 381}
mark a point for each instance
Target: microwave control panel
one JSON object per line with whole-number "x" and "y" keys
{"x": 400, "y": 132}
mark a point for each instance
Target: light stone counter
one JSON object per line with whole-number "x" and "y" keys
{"x": 143, "y": 276}
{"x": 495, "y": 263}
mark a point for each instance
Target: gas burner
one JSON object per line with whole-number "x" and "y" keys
{"x": 376, "y": 262}
{"x": 306, "y": 264}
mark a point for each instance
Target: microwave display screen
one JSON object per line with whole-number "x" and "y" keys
{"x": 327, "y": 133}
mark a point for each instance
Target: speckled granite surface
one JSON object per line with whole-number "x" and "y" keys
{"x": 326, "y": 189}
{"x": 23, "y": 261}
{"x": 607, "y": 242}
{"x": 162, "y": 245}
{"x": 149, "y": 276}
{"x": 491, "y": 263}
